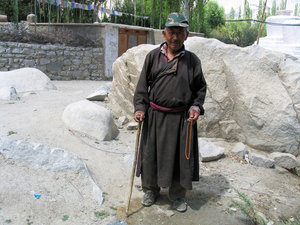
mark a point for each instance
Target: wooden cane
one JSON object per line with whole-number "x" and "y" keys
{"x": 134, "y": 165}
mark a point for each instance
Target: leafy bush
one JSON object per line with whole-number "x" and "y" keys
{"x": 239, "y": 33}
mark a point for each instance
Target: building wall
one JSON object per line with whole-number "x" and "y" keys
{"x": 57, "y": 62}
{"x": 71, "y": 63}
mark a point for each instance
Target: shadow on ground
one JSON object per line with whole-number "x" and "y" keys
{"x": 202, "y": 202}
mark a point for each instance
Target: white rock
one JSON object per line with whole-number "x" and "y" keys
{"x": 91, "y": 119}
{"x": 132, "y": 126}
{"x": 285, "y": 160}
{"x": 123, "y": 120}
{"x": 8, "y": 93}
{"x": 26, "y": 79}
{"x": 240, "y": 150}
{"x": 209, "y": 151}
{"x": 255, "y": 87}
{"x": 261, "y": 161}
{"x": 47, "y": 158}
{"x": 97, "y": 96}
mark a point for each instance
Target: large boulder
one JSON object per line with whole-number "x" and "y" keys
{"x": 26, "y": 79}
{"x": 257, "y": 90}
{"x": 91, "y": 119}
{"x": 47, "y": 158}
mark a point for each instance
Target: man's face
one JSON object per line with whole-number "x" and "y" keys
{"x": 175, "y": 36}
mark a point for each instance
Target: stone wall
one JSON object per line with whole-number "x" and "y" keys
{"x": 57, "y": 62}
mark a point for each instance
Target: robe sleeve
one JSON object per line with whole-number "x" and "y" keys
{"x": 141, "y": 96}
{"x": 198, "y": 84}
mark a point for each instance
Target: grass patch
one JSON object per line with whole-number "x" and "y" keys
{"x": 248, "y": 209}
{"x": 11, "y": 133}
{"x": 65, "y": 218}
{"x": 102, "y": 214}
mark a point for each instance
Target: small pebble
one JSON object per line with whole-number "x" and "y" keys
{"x": 233, "y": 209}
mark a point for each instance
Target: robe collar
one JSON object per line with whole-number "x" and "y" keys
{"x": 164, "y": 48}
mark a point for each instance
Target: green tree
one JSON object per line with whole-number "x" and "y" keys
{"x": 296, "y": 12}
{"x": 274, "y": 8}
{"x": 232, "y": 14}
{"x": 240, "y": 12}
{"x": 247, "y": 10}
{"x": 13, "y": 11}
{"x": 197, "y": 15}
{"x": 282, "y": 5}
{"x": 260, "y": 10}
{"x": 215, "y": 14}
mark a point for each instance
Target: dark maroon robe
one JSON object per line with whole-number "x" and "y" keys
{"x": 163, "y": 140}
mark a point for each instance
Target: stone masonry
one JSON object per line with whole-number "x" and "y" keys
{"x": 57, "y": 62}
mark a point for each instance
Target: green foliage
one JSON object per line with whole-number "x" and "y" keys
{"x": 239, "y": 33}
{"x": 297, "y": 10}
{"x": 247, "y": 208}
{"x": 11, "y": 133}
{"x": 282, "y": 4}
{"x": 65, "y": 218}
{"x": 247, "y": 10}
{"x": 232, "y": 14}
{"x": 13, "y": 12}
{"x": 102, "y": 214}
{"x": 274, "y": 8}
{"x": 215, "y": 13}
{"x": 7, "y": 221}
{"x": 296, "y": 222}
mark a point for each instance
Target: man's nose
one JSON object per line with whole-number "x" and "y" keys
{"x": 175, "y": 36}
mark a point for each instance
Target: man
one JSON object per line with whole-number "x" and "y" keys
{"x": 169, "y": 98}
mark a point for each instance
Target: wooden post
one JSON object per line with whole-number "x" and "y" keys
{"x": 262, "y": 19}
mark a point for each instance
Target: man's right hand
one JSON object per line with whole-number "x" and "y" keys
{"x": 139, "y": 116}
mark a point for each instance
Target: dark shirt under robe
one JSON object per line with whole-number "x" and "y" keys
{"x": 162, "y": 156}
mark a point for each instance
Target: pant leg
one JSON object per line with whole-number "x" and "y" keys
{"x": 176, "y": 191}
{"x": 154, "y": 189}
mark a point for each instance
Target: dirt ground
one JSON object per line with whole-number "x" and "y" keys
{"x": 65, "y": 198}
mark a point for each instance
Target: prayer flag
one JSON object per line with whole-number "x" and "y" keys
{"x": 73, "y": 5}
{"x": 63, "y": 3}
{"x": 102, "y": 9}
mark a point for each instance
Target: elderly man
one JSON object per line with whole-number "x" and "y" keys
{"x": 169, "y": 98}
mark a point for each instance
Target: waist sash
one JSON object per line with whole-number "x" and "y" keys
{"x": 165, "y": 109}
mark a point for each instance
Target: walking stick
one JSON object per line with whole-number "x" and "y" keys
{"x": 134, "y": 165}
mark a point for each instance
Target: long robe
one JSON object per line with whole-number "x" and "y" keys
{"x": 162, "y": 152}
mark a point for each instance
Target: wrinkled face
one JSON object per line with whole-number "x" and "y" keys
{"x": 175, "y": 36}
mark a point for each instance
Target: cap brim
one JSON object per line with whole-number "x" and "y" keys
{"x": 177, "y": 25}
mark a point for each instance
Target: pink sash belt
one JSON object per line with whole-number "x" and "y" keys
{"x": 165, "y": 109}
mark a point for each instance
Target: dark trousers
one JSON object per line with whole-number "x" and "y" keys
{"x": 175, "y": 191}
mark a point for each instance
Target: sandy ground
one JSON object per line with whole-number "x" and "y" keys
{"x": 66, "y": 197}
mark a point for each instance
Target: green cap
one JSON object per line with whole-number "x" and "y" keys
{"x": 176, "y": 20}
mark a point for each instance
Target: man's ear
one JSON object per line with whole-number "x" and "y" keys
{"x": 187, "y": 34}
{"x": 164, "y": 33}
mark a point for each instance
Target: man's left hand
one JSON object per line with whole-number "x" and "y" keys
{"x": 193, "y": 116}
